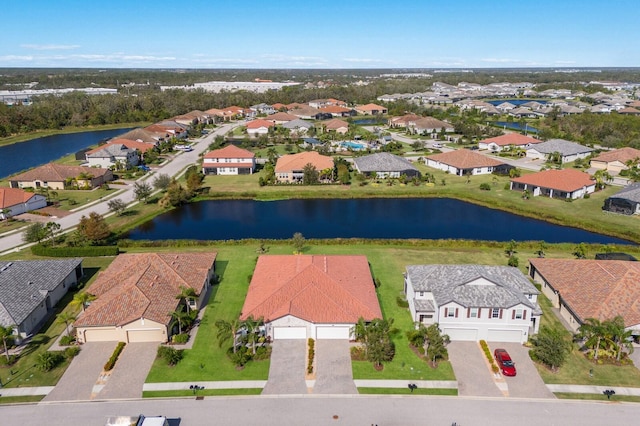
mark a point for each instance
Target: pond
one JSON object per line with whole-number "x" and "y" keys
{"x": 35, "y": 152}
{"x": 515, "y": 126}
{"x": 424, "y": 218}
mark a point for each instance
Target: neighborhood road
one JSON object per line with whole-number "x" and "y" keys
{"x": 315, "y": 410}
{"x": 172, "y": 168}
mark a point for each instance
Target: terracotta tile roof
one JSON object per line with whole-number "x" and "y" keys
{"x": 567, "y": 180}
{"x": 160, "y": 128}
{"x": 430, "y": 123}
{"x": 142, "y": 135}
{"x": 319, "y": 289}
{"x": 465, "y": 159}
{"x": 370, "y": 107}
{"x": 335, "y": 124}
{"x": 141, "y": 146}
{"x": 598, "y": 289}
{"x": 281, "y": 116}
{"x": 291, "y": 162}
{"x": 622, "y": 155}
{"x": 405, "y": 119}
{"x": 12, "y": 196}
{"x": 144, "y": 285}
{"x": 215, "y": 111}
{"x": 295, "y": 105}
{"x": 278, "y": 105}
{"x": 233, "y": 109}
{"x": 629, "y": 110}
{"x": 54, "y": 172}
{"x": 230, "y": 151}
{"x": 256, "y": 124}
{"x": 305, "y": 111}
{"x": 515, "y": 139}
{"x": 334, "y": 109}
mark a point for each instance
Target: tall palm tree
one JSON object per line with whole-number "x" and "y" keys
{"x": 228, "y": 330}
{"x": 180, "y": 317}
{"x": 5, "y": 332}
{"x": 187, "y": 294}
{"x": 82, "y": 299}
{"x": 620, "y": 335}
{"x": 592, "y": 331}
{"x": 66, "y": 318}
{"x": 253, "y": 331}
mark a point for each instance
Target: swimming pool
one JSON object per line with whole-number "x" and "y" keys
{"x": 353, "y": 145}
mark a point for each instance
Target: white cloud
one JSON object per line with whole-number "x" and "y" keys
{"x": 13, "y": 58}
{"x": 50, "y": 46}
{"x": 501, "y": 60}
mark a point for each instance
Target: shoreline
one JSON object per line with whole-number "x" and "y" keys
{"x": 11, "y": 140}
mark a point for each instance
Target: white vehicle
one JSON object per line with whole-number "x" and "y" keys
{"x": 140, "y": 420}
{"x": 437, "y": 145}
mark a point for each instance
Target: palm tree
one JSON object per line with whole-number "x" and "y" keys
{"x": 228, "y": 330}
{"x": 602, "y": 177}
{"x": 6, "y": 214}
{"x": 187, "y": 294}
{"x": 620, "y": 335}
{"x": 66, "y": 318}
{"x": 5, "y": 332}
{"x": 253, "y": 331}
{"x": 180, "y": 317}
{"x": 82, "y": 299}
{"x": 592, "y": 331}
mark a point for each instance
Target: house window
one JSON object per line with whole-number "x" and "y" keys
{"x": 425, "y": 316}
{"x": 495, "y": 313}
{"x": 473, "y": 312}
{"x": 529, "y": 296}
{"x": 421, "y": 293}
{"x": 451, "y": 312}
{"x": 517, "y": 313}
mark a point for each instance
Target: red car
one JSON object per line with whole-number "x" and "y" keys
{"x": 505, "y": 363}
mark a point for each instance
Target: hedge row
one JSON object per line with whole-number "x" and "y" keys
{"x": 114, "y": 356}
{"x": 487, "y": 352}
{"x": 88, "y": 251}
{"x": 312, "y": 354}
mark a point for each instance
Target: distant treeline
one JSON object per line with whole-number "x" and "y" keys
{"x": 611, "y": 130}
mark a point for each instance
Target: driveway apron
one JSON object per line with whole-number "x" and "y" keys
{"x": 527, "y": 383}
{"x": 76, "y": 384}
{"x": 287, "y": 369}
{"x": 471, "y": 370}
{"x": 131, "y": 370}
{"x": 333, "y": 368}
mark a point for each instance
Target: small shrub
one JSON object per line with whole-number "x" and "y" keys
{"x": 262, "y": 353}
{"x": 358, "y": 354}
{"x": 402, "y": 302}
{"x": 67, "y": 340}
{"x": 71, "y": 352}
{"x": 513, "y": 261}
{"x": 49, "y": 360}
{"x": 240, "y": 357}
{"x": 587, "y": 196}
{"x": 180, "y": 339}
{"x": 7, "y": 362}
{"x": 114, "y": 356}
{"x": 485, "y": 187}
{"x": 170, "y": 355}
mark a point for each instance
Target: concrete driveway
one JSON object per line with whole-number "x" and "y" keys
{"x": 131, "y": 370}
{"x": 287, "y": 369}
{"x": 77, "y": 382}
{"x": 527, "y": 383}
{"x": 470, "y": 367}
{"x": 333, "y": 368}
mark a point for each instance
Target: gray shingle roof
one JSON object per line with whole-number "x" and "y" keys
{"x": 562, "y": 146}
{"x": 630, "y": 192}
{"x": 109, "y": 151}
{"x": 423, "y": 305}
{"x": 383, "y": 162}
{"x": 455, "y": 283}
{"x": 24, "y": 285}
{"x": 297, "y": 123}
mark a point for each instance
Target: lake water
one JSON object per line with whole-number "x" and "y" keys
{"x": 515, "y": 126}
{"x": 424, "y": 218}
{"x": 35, "y": 152}
{"x": 516, "y": 102}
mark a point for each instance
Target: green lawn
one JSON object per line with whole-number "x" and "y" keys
{"x": 205, "y": 392}
{"x": 407, "y": 391}
{"x": 597, "y": 397}
{"x": 20, "y": 399}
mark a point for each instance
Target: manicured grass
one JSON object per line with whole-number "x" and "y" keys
{"x": 20, "y": 399}
{"x": 407, "y": 391}
{"x": 71, "y": 199}
{"x": 597, "y": 397}
{"x": 205, "y": 392}
{"x": 24, "y": 373}
{"x": 69, "y": 129}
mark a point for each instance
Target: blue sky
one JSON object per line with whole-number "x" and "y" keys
{"x": 319, "y": 34}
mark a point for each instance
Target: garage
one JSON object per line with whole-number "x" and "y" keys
{"x": 337, "y": 332}
{"x": 289, "y": 333}
{"x": 148, "y": 335}
{"x": 461, "y": 334}
{"x": 504, "y": 336}
{"x": 99, "y": 335}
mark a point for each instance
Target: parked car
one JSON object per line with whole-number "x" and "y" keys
{"x": 507, "y": 366}
{"x": 437, "y": 145}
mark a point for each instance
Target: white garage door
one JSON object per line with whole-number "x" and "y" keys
{"x": 504, "y": 336}
{"x": 289, "y": 333}
{"x": 341, "y": 332}
{"x": 152, "y": 335}
{"x": 461, "y": 334}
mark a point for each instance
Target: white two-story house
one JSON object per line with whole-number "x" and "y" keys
{"x": 229, "y": 160}
{"x": 474, "y": 302}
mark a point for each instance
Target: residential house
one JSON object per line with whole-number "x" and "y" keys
{"x": 290, "y": 168}
{"x": 170, "y": 128}
{"x": 311, "y": 142}
{"x": 565, "y": 183}
{"x": 311, "y": 296}
{"x": 259, "y": 127}
{"x": 474, "y": 302}
{"x": 321, "y": 103}
{"x": 586, "y": 288}
{"x": 263, "y": 109}
{"x": 192, "y": 118}
{"x": 57, "y": 176}
{"x": 429, "y": 126}
{"x": 281, "y": 118}
{"x": 143, "y": 136}
{"x": 505, "y": 142}
{"x": 371, "y": 109}
{"x": 229, "y": 160}
{"x": 14, "y": 201}
{"x": 305, "y": 113}
{"x": 138, "y": 292}
{"x": 338, "y": 111}
{"x": 384, "y": 164}
{"x": 112, "y": 154}
{"x": 625, "y": 201}
{"x": 403, "y": 121}
{"x": 567, "y": 151}
{"x": 629, "y": 111}
{"x": 30, "y": 290}
{"x": 615, "y": 161}
{"x": 298, "y": 127}
{"x": 336, "y": 125}
{"x": 466, "y": 162}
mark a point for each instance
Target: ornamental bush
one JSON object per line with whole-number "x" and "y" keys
{"x": 114, "y": 356}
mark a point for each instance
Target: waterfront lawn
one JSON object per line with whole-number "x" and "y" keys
{"x": 71, "y": 199}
